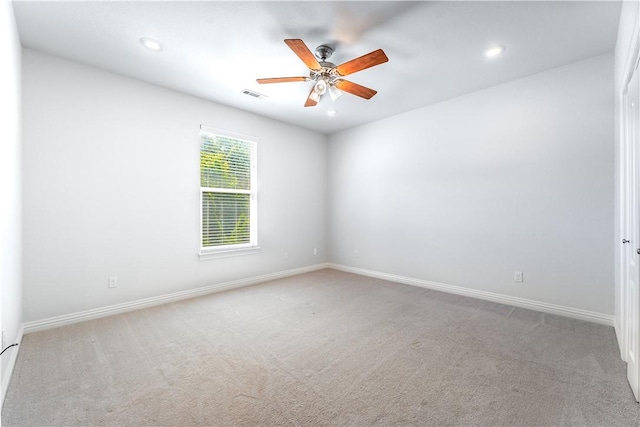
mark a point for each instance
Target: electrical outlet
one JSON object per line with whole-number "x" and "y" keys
{"x": 286, "y": 255}
{"x": 315, "y": 251}
{"x": 113, "y": 281}
{"x": 517, "y": 276}
{"x": 356, "y": 253}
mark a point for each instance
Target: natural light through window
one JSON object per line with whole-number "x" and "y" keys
{"x": 227, "y": 193}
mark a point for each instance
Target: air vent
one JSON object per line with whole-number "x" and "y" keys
{"x": 254, "y": 94}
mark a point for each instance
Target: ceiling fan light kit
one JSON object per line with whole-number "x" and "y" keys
{"x": 321, "y": 87}
{"x": 334, "y": 92}
{"x": 326, "y": 75}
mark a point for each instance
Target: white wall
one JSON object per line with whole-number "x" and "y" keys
{"x": 111, "y": 187}
{"x": 628, "y": 17}
{"x": 10, "y": 189}
{"x": 518, "y": 177}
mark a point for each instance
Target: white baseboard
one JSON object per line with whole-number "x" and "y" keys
{"x": 576, "y": 313}
{"x": 6, "y": 376}
{"x": 81, "y": 316}
{"x": 54, "y": 322}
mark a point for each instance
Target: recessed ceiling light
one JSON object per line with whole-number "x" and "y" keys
{"x": 331, "y": 113}
{"x": 494, "y": 51}
{"x": 151, "y": 44}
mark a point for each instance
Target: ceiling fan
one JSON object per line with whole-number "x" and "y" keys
{"x": 328, "y": 76}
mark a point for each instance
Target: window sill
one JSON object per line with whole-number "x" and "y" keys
{"x": 226, "y": 253}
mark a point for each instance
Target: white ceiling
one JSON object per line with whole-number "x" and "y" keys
{"x": 214, "y": 50}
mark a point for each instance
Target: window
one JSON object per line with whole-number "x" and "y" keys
{"x": 227, "y": 193}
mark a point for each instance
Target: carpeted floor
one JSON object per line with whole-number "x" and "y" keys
{"x": 324, "y": 348}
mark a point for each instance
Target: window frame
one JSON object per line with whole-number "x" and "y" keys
{"x": 223, "y": 251}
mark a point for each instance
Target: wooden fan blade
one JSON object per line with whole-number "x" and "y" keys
{"x": 310, "y": 102}
{"x": 363, "y": 62}
{"x": 299, "y": 48}
{"x": 282, "y": 80}
{"x": 355, "y": 89}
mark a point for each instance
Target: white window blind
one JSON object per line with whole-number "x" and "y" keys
{"x": 228, "y": 191}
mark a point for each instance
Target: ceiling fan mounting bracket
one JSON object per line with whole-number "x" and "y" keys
{"x": 323, "y": 52}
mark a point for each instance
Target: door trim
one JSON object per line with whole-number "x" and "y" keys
{"x": 631, "y": 61}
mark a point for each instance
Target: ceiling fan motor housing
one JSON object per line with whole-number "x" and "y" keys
{"x": 327, "y": 72}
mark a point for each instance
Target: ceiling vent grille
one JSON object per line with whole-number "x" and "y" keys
{"x": 254, "y": 94}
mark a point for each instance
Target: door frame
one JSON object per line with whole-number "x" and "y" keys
{"x": 622, "y": 315}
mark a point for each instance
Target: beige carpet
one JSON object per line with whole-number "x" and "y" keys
{"x": 324, "y": 348}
